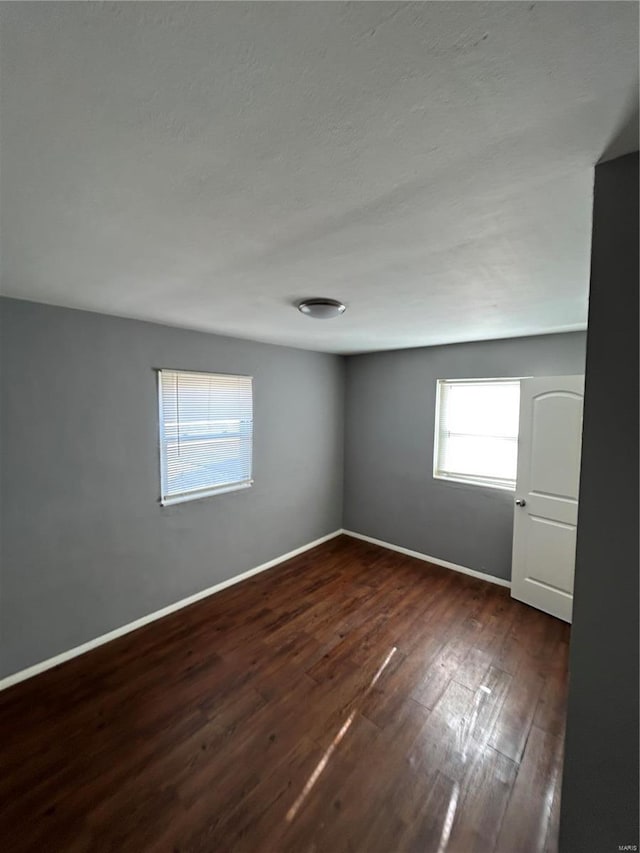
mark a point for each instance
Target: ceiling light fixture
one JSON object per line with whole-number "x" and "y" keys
{"x": 321, "y": 309}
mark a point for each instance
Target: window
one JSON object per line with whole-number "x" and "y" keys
{"x": 206, "y": 431}
{"x": 476, "y": 437}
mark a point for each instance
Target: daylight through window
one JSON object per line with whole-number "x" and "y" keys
{"x": 206, "y": 433}
{"x": 476, "y": 437}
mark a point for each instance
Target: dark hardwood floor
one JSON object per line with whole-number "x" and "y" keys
{"x": 351, "y": 699}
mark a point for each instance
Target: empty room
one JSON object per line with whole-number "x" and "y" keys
{"x": 319, "y": 427}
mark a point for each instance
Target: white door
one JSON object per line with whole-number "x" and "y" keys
{"x": 546, "y": 503}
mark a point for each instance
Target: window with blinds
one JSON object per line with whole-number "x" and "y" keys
{"x": 206, "y": 434}
{"x": 476, "y": 436}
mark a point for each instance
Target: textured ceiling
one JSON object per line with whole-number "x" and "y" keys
{"x": 207, "y": 164}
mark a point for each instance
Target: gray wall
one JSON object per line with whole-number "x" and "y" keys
{"x": 86, "y": 546}
{"x": 390, "y": 492}
{"x": 600, "y": 788}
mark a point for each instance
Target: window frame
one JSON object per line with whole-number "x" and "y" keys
{"x": 185, "y": 497}
{"x": 470, "y": 479}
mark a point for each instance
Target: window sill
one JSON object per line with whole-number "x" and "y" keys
{"x": 195, "y": 496}
{"x": 485, "y": 484}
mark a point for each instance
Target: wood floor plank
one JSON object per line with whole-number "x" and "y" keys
{"x": 550, "y": 711}
{"x": 481, "y": 801}
{"x": 515, "y": 718}
{"x": 553, "y": 828}
{"x": 351, "y": 699}
{"x": 527, "y": 820}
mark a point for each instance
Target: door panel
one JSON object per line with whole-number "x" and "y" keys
{"x": 555, "y": 444}
{"x": 550, "y": 553}
{"x": 544, "y": 537}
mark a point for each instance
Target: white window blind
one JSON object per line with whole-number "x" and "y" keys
{"x": 477, "y": 431}
{"x": 206, "y": 434}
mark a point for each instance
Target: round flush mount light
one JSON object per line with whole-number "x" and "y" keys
{"x": 321, "y": 309}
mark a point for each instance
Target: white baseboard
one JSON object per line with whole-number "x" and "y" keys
{"x": 445, "y": 563}
{"x": 37, "y": 668}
